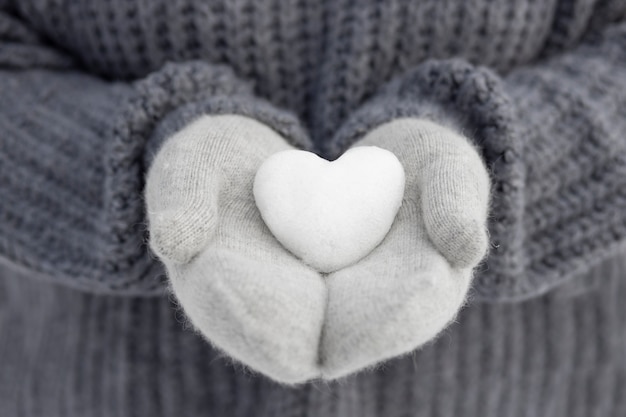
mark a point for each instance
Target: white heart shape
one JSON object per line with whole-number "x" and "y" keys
{"x": 330, "y": 214}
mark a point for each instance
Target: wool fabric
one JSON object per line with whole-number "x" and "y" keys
{"x": 68, "y": 353}
{"x": 89, "y": 91}
{"x": 276, "y": 313}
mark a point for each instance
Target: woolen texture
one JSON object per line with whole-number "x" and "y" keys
{"x": 551, "y": 132}
{"x": 67, "y": 353}
{"x": 239, "y": 287}
{"x": 89, "y": 90}
{"x": 260, "y": 304}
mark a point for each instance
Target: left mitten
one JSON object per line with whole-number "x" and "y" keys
{"x": 239, "y": 287}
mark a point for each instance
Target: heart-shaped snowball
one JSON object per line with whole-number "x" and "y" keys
{"x": 330, "y": 214}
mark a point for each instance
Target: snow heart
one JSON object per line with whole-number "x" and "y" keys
{"x": 330, "y": 214}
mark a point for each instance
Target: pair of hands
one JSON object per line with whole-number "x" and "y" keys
{"x": 261, "y": 305}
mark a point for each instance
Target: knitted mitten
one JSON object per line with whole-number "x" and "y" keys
{"x": 412, "y": 285}
{"x": 240, "y": 288}
{"x": 263, "y": 306}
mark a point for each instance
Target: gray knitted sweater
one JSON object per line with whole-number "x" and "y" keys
{"x": 89, "y": 90}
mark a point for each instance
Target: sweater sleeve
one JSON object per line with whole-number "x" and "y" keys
{"x": 74, "y": 149}
{"x": 553, "y": 136}
{"x": 22, "y": 47}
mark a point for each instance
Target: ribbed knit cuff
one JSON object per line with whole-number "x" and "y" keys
{"x": 75, "y": 150}
{"x": 552, "y": 139}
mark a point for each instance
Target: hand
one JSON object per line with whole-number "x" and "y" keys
{"x": 239, "y": 287}
{"x": 260, "y": 304}
{"x": 412, "y": 285}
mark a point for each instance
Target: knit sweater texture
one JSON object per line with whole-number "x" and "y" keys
{"x": 89, "y": 91}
